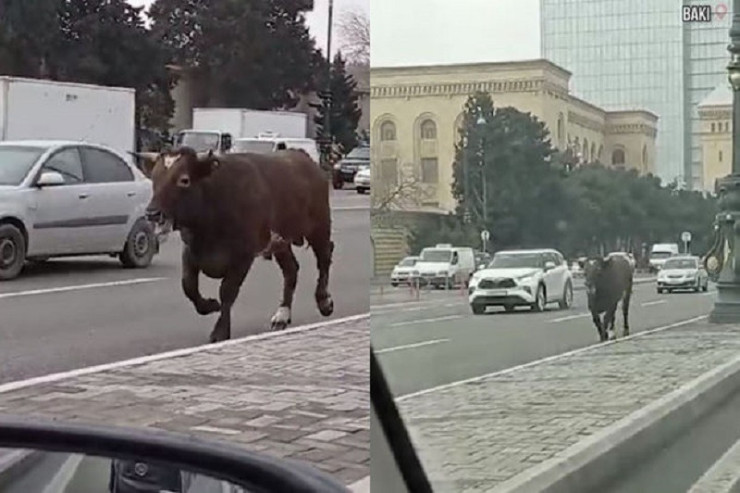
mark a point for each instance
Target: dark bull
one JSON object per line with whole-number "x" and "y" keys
{"x": 608, "y": 280}
{"x": 232, "y": 208}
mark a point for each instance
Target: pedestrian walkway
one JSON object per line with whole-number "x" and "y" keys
{"x": 488, "y": 433}
{"x": 302, "y": 394}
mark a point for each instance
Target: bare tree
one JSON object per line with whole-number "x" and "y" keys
{"x": 389, "y": 196}
{"x": 354, "y": 29}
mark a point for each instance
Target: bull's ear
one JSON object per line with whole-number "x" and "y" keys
{"x": 145, "y": 161}
{"x": 203, "y": 167}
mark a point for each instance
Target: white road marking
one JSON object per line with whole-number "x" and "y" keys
{"x": 424, "y": 320}
{"x": 64, "y": 475}
{"x": 651, "y": 303}
{"x": 569, "y": 317}
{"x": 352, "y": 208}
{"x": 547, "y": 359}
{"x": 410, "y": 346}
{"x": 55, "y": 377}
{"x": 79, "y": 287}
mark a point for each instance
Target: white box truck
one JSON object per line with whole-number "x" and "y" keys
{"x": 36, "y": 109}
{"x": 215, "y": 128}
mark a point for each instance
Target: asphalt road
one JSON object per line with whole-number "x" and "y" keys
{"x": 69, "y": 314}
{"x": 438, "y": 340}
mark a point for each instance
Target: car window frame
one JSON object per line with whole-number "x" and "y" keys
{"x": 81, "y": 151}
{"x": 50, "y": 157}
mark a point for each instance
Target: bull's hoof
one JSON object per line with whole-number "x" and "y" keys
{"x": 213, "y": 338}
{"x": 326, "y": 306}
{"x": 281, "y": 319}
{"x": 278, "y": 325}
{"x": 208, "y": 306}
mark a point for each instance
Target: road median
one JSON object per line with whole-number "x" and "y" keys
{"x": 568, "y": 422}
{"x": 302, "y": 394}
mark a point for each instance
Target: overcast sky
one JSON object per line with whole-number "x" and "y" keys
{"x": 317, "y": 20}
{"x": 427, "y": 32}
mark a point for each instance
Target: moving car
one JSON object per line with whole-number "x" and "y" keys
{"x": 344, "y": 170}
{"x": 271, "y": 143}
{"x": 403, "y": 271}
{"x": 514, "y": 278}
{"x": 685, "y": 272}
{"x": 659, "y": 253}
{"x": 444, "y": 265}
{"x": 362, "y": 180}
{"x": 66, "y": 198}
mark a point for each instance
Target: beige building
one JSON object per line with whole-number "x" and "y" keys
{"x": 715, "y": 112}
{"x": 416, "y": 112}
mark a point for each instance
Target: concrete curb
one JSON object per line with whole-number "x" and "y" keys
{"x": 15, "y": 463}
{"x": 723, "y": 476}
{"x": 593, "y": 462}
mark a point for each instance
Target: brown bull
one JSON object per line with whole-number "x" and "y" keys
{"x": 232, "y": 208}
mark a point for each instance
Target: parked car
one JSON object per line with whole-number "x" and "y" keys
{"x": 444, "y": 266}
{"x": 344, "y": 170}
{"x": 684, "y": 272}
{"x": 514, "y": 278}
{"x": 269, "y": 143}
{"x": 403, "y": 271}
{"x": 362, "y": 180}
{"x": 66, "y": 198}
{"x": 659, "y": 253}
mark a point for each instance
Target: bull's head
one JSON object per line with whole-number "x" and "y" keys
{"x": 175, "y": 177}
{"x": 593, "y": 270}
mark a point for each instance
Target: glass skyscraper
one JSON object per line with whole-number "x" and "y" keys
{"x": 629, "y": 54}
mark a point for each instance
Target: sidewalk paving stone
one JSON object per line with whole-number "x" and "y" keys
{"x": 301, "y": 395}
{"x": 476, "y": 435}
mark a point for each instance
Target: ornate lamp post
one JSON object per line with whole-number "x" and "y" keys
{"x": 484, "y": 191}
{"x": 723, "y": 260}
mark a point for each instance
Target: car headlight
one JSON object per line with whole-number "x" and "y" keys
{"x": 530, "y": 279}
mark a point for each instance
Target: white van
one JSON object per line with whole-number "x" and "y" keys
{"x": 271, "y": 143}
{"x": 445, "y": 265}
{"x": 660, "y": 253}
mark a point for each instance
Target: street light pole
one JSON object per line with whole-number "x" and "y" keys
{"x": 330, "y": 96}
{"x": 484, "y": 192}
{"x": 723, "y": 260}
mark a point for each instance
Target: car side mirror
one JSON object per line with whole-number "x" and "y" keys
{"x": 50, "y": 179}
{"x": 155, "y": 460}
{"x": 226, "y": 142}
{"x": 549, "y": 265}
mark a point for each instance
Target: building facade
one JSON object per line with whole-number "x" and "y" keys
{"x": 715, "y": 112}
{"x": 636, "y": 53}
{"x": 416, "y": 113}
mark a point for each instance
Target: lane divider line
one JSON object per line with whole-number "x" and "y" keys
{"x": 410, "y": 346}
{"x": 79, "y": 287}
{"x": 554, "y": 357}
{"x": 424, "y": 320}
{"x": 653, "y": 303}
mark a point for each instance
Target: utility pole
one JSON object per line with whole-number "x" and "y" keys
{"x": 330, "y": 97}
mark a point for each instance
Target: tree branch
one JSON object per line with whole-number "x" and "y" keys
{"x": 354, "y": 28}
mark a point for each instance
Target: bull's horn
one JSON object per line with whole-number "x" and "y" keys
{"x": 144, "y": 155}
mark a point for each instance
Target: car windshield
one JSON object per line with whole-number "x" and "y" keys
{"x": 407, "y": 262}
{"x": 255, "y": 146}
{"x": 359, "y": 153}
{"x": 429, "y": 255}
{"x": 661, "y": 255}
{"x": 16, "y": 162}
{"x": 199, "y": 141}
{"x": 681, "y": 263}
{"x": 515, "y": 260}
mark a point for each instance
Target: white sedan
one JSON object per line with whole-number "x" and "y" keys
{"x": 362, "y": 180}
{"x": 66, "y": 198}
{"x": 685, "y": 272}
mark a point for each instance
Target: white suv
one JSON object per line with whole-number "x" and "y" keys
{"x": 532, "y": 278}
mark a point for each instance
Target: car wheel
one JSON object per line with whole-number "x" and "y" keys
{"x": 478, "y": 309}
{"x": 394, "y": 284}
{"x": 509, "y": 308}
{"x": 337, "y": 184}
{"x": 140, "y": 246}
{"x": 361, "y": 191}
{"x": 539, "y": 300}
{"x": 697, "y": 288}
{"x": 12, "y": 252}
{"x": 660, "y": 291}
{"x": 567, "y": 299}
{"x": 706, "y": 287}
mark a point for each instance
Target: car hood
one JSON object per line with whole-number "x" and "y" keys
{"x": 678, "y": 271}
{"x": 363, "y": 173}
{"x": 431, "y": 266}
{"x": 404, "y": 269}
{"x": 512, "y": 273}
{"x": 354, "y": 162}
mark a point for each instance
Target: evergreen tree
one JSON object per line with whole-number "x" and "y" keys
{"x": 343, "y": 100}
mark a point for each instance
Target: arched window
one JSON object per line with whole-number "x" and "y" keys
{"x": 618, "y": 157}
{"x": 593, "y": 151}
{"x": 428, "y": 130}
{"x": 601, "y": 152}
{"x": 387, "y": 131}
{"x": 585, "y": 150}
{"x": 561, "y": 129}
{"x": 644, "y": 157}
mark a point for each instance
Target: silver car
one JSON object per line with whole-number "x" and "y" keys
{"x": 684, "y": 272}
{"x": 62, "y": 198}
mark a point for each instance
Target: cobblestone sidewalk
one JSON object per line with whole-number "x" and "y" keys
{"x": 302, "y": 395}
{"x": 476, "y": 435}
